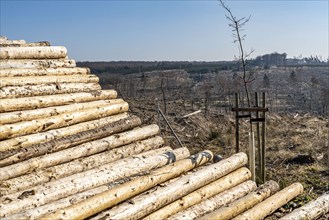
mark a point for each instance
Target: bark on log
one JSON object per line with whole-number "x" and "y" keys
{"x": 47, "y": 89}
{"x": 143, "y": 205}
{"x": 112, "y": 197}
{"x": 78, "y": 151}
{"x": 50, "y": 52}
{"x": 312, "y": 210}
{"x": 16, "y": 155}
{"x": 19, "y": 104}
{"x": 63, "y": 120}
{"x": 61, "y": 71}
{"x": 224, "y": 198}
{"x": 36, "y": 213}
{"x": 212, "y": 189}
{"x": 32, "y": 139}
{"x": 46, "y": 63}
{"x": 30, "y": 80}
{"x": 28, "y": 115}
{"x": 272, "y": 203}
{"x": 90, "y": 179}
{"x": 237, "y": 207}
{"x": 5, "y": 40}
{"x": 35, "y": 44}
{"x": 78, "y": 165}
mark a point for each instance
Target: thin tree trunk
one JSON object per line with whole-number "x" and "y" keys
{"x": 60, "y": 71}
{"x": 44, "y": 63}
{"x": 28, "y": 115}
{"x": 268, "y": 206}
{"x": 18, "y": 104}
{"x": 47, "y": 89}
{"x": 143, "y": 205}
{"x": 127, "y": 190}
{"x": 78, "y": 151}
{"x": 49, "y": 52}
{"x": 78, "y": 165}
{"x": 212, "y": 189}
{"x": 312, "y": 210}
{"x": 224, "y": 198}
{"x": 35, "y": 80}
{"x": 20, "y": 44}
{"x": 89, "y": 179}
{"x": 30, "y": 140}
{"x": 58, "y": 121}
{"x": 244, "y": 203}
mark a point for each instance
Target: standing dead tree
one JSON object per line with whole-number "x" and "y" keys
{"x": 237, "y": 24}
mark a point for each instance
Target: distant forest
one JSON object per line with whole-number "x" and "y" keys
{"x": 264, "y": 62}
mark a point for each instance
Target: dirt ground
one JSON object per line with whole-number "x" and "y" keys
{"x": 296, "y": 145}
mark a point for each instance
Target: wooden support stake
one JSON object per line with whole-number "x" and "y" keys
{"x": 263, "y": 148}
{"x": 237, "y": 124}
{"x": 252, "y": 154}
{"x": 259, "y": 148}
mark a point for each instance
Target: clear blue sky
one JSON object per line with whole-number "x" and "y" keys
{"x": 168, "y": 30}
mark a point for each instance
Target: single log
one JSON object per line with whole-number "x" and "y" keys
{"x": 35, "y": 44}
{"x": 76, "y": 152}
{"x": 221, "y": 199}
{"x": 16, "y": 155}
{"x": 32, "y": 139}
{"x": 245, "y": 203}
{"x": 28, "y": 115}
{"x": 47, "y": 89}
{"x": 19, "y": 104}
{"x": 60, "y": 71}
{"x": 78, "y": 165}
{"x": 143, "y": 205}
{"x": 127, "y": 190}
{"x": 312, "y": 210}
{"x": 50, "y": 52}
{"x": 63, "y": 120}
{"x": 32, "y": 80}
{"x": 46, "y": 63}
{"x": 90, "y": 179}
{"x": 212, "y": 189}
{"x": 268, "y": 206}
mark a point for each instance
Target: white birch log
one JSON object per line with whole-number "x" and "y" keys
{"x": 46, "y": 63}
{"x": 127, "y": 190}
{"x": 78, "y": 165}
{"x": 34, "y": 44}
{"x": 212, "y": 189}
{"x": 76, "y": 152}
{"x": 143, "y": 205}
{"x": 28, "y": 115}
{"x": 90, "y": 179}
{"x": 63, "y": 120}
{"x": 237, "y": 207}
{"x": 35, "y": 80}
{"x": 312, "y": 210}
{"x": 47, "y": 89}
{"x": 219, "y": 200}
{"x": 60, "y": 71}
{"x": 14, "y": 156}
{"x": 19, "y": 104}
{"x": 50, "y": 52}
{"x": 32, "y": 139}
{"x": 268, "y": 206}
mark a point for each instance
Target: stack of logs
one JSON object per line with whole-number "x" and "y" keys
{"x": 69, "y": 150}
